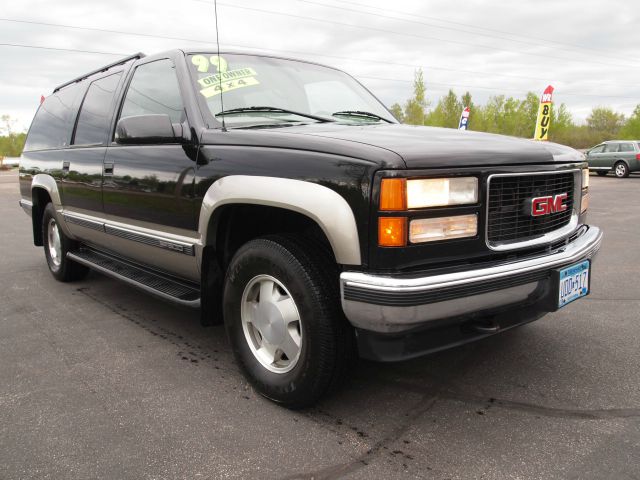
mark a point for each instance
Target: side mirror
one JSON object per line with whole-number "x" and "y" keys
{"x": 147, "y": 129}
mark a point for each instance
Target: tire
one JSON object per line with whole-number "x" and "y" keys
{"x": 56, "y": 246}
{"x": 621, "y": 170}
{"x": 601, "y": 173}
{"x": 301, "y": 316}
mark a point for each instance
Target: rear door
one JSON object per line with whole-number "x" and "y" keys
{"x": 627, "y": 153}
{"x": 82, "y": 177}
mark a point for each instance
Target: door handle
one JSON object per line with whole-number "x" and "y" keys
{"x": 108, "y": 168}
{"x": 65, "y": 167}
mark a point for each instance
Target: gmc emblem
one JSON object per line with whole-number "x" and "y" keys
{"x": 546, "y": 205}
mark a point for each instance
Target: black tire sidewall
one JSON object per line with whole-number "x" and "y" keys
{"x": 68, "y": 270}
{"x": 56, "y": 270}
{"x": 268, "y": 257}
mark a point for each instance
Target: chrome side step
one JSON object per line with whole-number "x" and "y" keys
{"x": 164, "y": 286}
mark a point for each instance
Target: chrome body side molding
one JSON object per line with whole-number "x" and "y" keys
{"x": 83, "y": 222}
{"x": 153, "y": 240}
{"x": 147, "y": 237}
{"x": 321, "y": 204}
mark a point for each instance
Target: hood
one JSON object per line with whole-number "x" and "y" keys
{"x": 431, "y": 147}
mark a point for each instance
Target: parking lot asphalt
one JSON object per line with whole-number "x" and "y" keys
{"x": 98, "y": 380}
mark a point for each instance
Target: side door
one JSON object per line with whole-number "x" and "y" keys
{"x": 595, "y": 156}
{"x": 148, "y": 196}
{"x": 610, "y": 155}
{"x": 627, "y": 152}
{"x": 82, "y": 177}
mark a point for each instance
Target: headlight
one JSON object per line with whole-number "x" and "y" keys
{"x": 443, "y": 228}
{"x": 441, "y": 192}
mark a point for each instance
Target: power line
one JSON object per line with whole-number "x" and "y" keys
{"x": 524, "y": 42}
{"x": 296, "y": 52}
{"x": 60, "y": 49}
{"x": 414, "y": 15}
{"x": 413, "y": 35}
{"x": 480, "y": 87}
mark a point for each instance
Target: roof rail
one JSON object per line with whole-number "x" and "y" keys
{"x": 101, "y": 69}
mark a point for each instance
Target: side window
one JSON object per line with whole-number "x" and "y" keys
{"x": 52, "y": 125}
{"x": 627, "y": 147}
{"x": 95, "y": 112}
{"x": 154, "y": 89}
{"x": 611, "y": 147}
{"x": 598, "y": 149}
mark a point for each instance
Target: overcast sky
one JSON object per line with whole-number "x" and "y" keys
{"x": 588, "y": 50}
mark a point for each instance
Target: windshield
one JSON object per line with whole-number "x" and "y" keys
{"x": 288, "y": 92}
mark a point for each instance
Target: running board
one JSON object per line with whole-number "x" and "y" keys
{"x": 164, "y": 286}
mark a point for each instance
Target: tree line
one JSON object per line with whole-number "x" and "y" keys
{"x": 516, "y": 117}
{"x": 11, "y": 142}
{"x": 500, "y": 114}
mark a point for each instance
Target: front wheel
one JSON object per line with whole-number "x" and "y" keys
{"x": 56, "y": 246}
{"x": 284, "y": 321}
{"x": 621, "y": 170}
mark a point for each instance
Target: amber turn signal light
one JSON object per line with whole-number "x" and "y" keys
{"x": 392, "y": 231}
{"x": 393, "y": 194}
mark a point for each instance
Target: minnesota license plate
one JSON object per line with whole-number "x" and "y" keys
{"x": 574, "y": 283}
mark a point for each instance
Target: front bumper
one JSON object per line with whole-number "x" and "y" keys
{"x": 391, "y": 305}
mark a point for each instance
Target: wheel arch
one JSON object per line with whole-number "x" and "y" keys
{"x": 43, "y": 190}
{"x": 316, "y": 203}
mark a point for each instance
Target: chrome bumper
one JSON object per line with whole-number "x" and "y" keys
{"x": 390, "y": 304}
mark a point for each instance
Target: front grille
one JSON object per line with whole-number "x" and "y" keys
{"x": 509, "y": 216}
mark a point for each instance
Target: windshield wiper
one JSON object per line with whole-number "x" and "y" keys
{"x": 359, "y": 113}
{"x": 272, "y": 110}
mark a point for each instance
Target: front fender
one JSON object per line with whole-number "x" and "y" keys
{"x": 324, "y": 206}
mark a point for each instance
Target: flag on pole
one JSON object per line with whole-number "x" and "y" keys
{"x": 544, "y": 115}
{"x": 464, "y": 119}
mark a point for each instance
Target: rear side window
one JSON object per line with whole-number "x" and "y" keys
{"x": 611, "y": 147}
{"x": 627, "y": 147}
{"x": 95, "y": 112}
{"x": 52, "y": 125}
{"x": 154, "y": 89}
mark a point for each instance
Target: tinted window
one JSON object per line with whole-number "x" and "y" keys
{"x": 611, "y": 147}
{"x": 154, "y": 90}
{"x": 627, "y": 147}
{"x": 51, "y": 127}
{"x": 95, "y": 113}
{"x": 598, "y": 149}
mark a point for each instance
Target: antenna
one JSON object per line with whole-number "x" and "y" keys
{"x": 215, "y": 9}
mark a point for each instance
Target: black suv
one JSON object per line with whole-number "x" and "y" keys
{"x": 283, "y": 198}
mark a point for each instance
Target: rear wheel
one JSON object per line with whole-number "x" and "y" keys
{"x": 56, "y": 246}
{"x": 621, "y": 170}
{"x": 602, "y": 173}
{"x": 284, "y": 321}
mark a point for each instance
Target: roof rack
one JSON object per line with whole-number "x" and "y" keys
{"x": 101, "y": 69}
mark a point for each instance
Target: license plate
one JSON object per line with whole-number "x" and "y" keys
{"x": 574, "y": 283}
